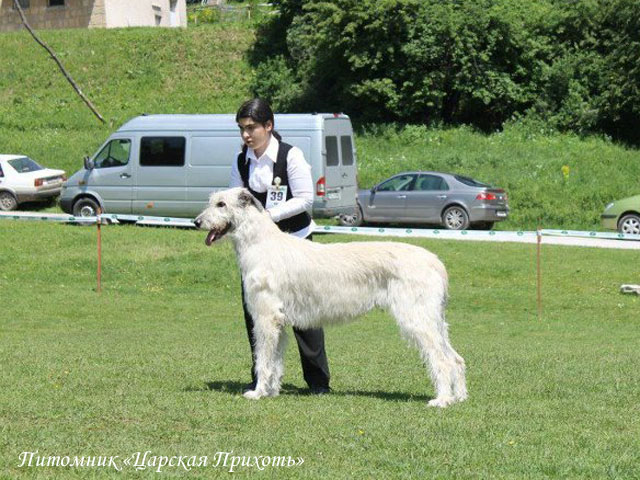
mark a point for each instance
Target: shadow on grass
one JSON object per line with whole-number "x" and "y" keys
{"x": 49, "y": 205}
{"x": 236, "y": 388}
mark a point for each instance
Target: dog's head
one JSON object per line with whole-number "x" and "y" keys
{"x": 225, "y": 210}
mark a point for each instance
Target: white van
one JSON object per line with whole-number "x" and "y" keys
{"x": 168, "y": 165}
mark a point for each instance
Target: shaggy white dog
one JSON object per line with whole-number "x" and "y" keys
{"x": 290, "y": 281}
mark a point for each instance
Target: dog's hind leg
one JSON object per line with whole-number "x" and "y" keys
{"x": 422, "y": 323}
{"x": 460, "y": 381}
{"x": 442, "y": 368}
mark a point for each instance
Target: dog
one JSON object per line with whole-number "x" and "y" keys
{"x": 291, "y": 281}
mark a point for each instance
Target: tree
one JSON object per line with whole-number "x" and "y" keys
{"x": 55, "y": 58}
{"x": 572, "y": 63}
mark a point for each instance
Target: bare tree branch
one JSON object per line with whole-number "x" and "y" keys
{"x": 55, "y": 58}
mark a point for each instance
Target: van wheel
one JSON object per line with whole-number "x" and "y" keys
{"x": 85, "y": 207}
{"x": 8, "y": 202}
{"x": 354, "y": 220}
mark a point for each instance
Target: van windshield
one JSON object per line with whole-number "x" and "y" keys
{"x": 114, "y": 154}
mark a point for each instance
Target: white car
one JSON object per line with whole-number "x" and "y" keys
{"x": 23, "y": 180}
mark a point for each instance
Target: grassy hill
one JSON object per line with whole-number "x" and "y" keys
{"x": 204, "y": 70}
{"x": 125, "y": 72}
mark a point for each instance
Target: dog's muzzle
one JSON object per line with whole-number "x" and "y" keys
{"x": 214, "y": 234}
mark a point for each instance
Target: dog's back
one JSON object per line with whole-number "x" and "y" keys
{"x": 335, "y": 281}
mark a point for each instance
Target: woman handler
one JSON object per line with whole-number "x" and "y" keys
{"x": 264, "y": 166}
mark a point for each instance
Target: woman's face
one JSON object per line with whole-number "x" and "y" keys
{"x": 255, "y": 135}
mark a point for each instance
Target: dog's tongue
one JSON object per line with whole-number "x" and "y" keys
{"x": 211, "y": 236}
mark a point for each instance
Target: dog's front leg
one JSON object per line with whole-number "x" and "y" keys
{"x": 267, "y": 332}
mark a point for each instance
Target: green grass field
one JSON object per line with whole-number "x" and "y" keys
{"x": 156, "y": 362}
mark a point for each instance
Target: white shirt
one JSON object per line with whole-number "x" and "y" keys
{"x": 261, "y": 178}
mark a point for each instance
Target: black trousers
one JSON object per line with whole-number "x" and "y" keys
{"x": 315, "y": 366}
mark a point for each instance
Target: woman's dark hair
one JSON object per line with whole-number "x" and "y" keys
{"x": 259, "y": 111}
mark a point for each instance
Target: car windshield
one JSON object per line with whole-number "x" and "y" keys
{"x": 24, "y": 165}
{"x": 470, "y": 181}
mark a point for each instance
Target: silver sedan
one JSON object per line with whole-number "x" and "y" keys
{"x": 452, "y": 201}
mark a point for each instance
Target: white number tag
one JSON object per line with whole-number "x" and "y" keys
{"x": 276, "y": 196}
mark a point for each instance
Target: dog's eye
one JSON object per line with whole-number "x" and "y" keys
{"x": 221, "y": 204}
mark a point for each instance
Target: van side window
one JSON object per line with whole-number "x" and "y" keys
{"x": 1, "y": 172}
{"x": 347, "y": 150}
{"x": 114, "y": 154}
{"x": 332, "y": 151}
{"x": 162, "y": 151}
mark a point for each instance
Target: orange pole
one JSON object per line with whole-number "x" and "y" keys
{"x": 99, "y": 253}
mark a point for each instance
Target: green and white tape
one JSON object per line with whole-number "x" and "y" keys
{"x": 487, "y": 235}
{"x": 591, "y": 234}
{"x": 104, "y": 219}
{"x": 424, "y": 232}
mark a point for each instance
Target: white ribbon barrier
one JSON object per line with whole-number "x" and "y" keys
{"x": 106, "y": 218}
{"x": 497, "y": 235}
{"x": 580, "y": 234}
{"x": 482, "y": 235}
{"x": 427, "y": 233}
{"x": 551, "y": 237}
{"x": 48, "y": 217}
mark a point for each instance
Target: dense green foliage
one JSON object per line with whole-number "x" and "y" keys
{"x": 573, "y": 64}
{"x": 204, "y": 70}
{"x": 156, "y": 362}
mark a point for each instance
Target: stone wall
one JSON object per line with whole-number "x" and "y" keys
{"x": 93, "y": 14}
{"x": 146, "y": 13}
{"x": 74, "y": 14}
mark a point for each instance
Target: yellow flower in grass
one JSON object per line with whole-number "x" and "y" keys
{"x": 565, "y": 172}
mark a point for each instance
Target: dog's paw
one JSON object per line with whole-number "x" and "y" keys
{"x": 461, "y": 397}
{"x": 441, "y": 402}
{"x": 252, "y": 394}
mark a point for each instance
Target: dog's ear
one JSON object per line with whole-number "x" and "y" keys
{"x": 245, "y": 199}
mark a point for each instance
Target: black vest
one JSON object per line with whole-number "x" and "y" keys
{"x": 292, "y": 224}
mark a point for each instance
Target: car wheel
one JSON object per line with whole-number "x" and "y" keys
{"x": 455, "y": 218}
{"x": 8, "y": 202}
{"x": 85, "y": 207}
{"x": 354, "y": 220}
{"x": 629, "y": 224}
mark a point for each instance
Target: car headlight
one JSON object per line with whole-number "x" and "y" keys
{"x": 609, "y": 206}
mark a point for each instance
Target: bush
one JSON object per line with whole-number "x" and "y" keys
{"x": 204, "y": 15}
{"x": 482, "y": 62}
